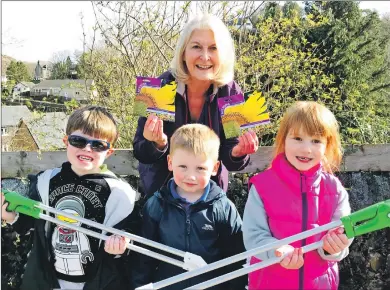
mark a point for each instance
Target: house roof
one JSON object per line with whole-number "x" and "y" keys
{"x": 11, "y": 115}
{"x": 28, "y": 84}
{"x": 63, "y": 83}
{"x": 48, "y": 130}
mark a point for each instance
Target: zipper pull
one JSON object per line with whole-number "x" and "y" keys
{"x": 188, "y": 222}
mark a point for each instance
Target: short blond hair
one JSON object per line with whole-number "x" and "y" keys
{"x": 196, "y": 138}
{"x": 94, "y": 121}
{"x": 223, "y": 41}
{"x": 315, "y": 120}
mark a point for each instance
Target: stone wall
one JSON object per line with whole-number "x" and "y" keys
{"x": 366, "y": 267}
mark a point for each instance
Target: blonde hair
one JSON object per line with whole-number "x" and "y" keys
{"x": 196, "y": 138}
{"x": 315, "y": 120}
{"x": 95, "y": 121}
{"x": 223, "y": 41}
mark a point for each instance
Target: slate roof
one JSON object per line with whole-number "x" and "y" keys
{"x": 63, "y": 83}
{"x": 11, "y": 115}
{"x": 28, "y": 84}
{"x": 48, "y": 130}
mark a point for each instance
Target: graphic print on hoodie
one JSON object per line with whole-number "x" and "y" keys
{"x": 82, "y": 196}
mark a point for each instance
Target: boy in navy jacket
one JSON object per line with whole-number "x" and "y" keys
{"x": 191, "y": 213}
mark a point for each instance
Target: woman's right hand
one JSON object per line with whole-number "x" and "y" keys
{"x": 153, "y": 131}
{"x": 8, "y": 216}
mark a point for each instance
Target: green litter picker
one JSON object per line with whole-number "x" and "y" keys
{"x": 366, "y": 220}
{"x": 24, "y": 205}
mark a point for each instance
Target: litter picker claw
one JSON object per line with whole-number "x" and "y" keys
{"x": 24, "y": 205}
{"x": 369, "y": 219}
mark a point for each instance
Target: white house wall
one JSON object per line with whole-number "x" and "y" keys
{"x": 73, "y": 93}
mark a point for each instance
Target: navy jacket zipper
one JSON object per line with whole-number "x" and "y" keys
{"x": 187, "y": 221}
{"x": 188, "y": 230}
{"x": 188, "y": 227}
{"x": 304, "y": 225}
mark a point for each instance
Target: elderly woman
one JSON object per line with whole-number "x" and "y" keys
{"x": 203, "y": 67}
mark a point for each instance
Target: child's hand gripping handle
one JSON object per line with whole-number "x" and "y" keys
{"x": 366, "y": 220}
{"x": 21, "y": 204}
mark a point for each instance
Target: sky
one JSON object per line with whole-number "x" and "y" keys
{"x": 36, "y": 30}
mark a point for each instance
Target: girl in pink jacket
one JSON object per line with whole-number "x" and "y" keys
{"x": 297, "y": 193}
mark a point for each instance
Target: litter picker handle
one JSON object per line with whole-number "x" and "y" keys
{"x": 366, "y": 220}
{"x": 34, "y": 208}
{"x": 22, "y": 204}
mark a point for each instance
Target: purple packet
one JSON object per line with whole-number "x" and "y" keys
{"x": 225, "y": 102}
{"x": 153, "y": 97}
{"x": 240, "y": 113}
{"x": 147, "y": 82}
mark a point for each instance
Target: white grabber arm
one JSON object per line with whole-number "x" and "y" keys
{"x": 34, "y": 209}
{"x": 372, "y": 218}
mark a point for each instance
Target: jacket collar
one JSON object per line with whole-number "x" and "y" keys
{"x": 172, "y": 187}
{"x": 214, "y": 193}
{"x": 104, "y": 171}
{"x": 293, "y": 177}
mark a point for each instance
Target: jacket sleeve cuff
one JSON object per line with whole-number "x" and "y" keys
{"x": 237, "y": 159}
{"x": 335, "y": 257}
{"x": 15, "y": 220}
{"x": 161, "y": 151}
{"x": 148, "y": 152}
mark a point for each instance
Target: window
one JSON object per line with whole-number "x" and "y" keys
{"x": 4, "y": 132}
{"x": 4, "y": 147}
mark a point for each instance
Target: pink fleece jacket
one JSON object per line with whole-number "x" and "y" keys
{"x": 295, "y": 202}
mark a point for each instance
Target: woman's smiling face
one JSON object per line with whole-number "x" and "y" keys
{"x": 201, "y": 55}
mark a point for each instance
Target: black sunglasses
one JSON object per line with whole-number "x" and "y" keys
{"x": 81, "y": 142}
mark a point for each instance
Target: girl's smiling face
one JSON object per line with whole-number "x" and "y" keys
{"x": 304, "y": 151}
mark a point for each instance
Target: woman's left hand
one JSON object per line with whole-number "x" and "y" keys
{"x": 248, "y": 144}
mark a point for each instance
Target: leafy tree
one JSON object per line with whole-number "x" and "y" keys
{"x": 279, "y": 61}
{"x": 6, "y": 89}
{"x": 17, "y": 72}
{"x": 59, "y": 71}
{"x": 71, "y": 105}
{"x": 68, "y": 62}
{"x": 61, "y": 66}
{"x": 291, "y": 9}
{"x": 356, "y": 44}
{"x": 273, "y": 10}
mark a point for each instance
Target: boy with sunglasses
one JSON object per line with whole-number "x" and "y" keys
{"x": 62, "y": 258}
